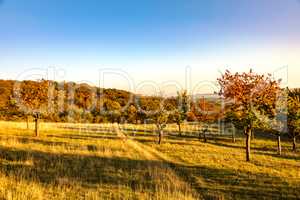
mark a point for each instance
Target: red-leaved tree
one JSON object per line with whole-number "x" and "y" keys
{"x": 251, "y": 95}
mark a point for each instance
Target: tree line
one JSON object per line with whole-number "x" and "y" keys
{"x": 248, "y": 100}
{"x": 71, "y": 102}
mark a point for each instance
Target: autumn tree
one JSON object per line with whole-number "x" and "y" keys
{"x": 207, "y": 111}
{"x": 250, "y": 94}
{"x": 33, "y": 99}
{"x": 294, "y": 115}
{"x": 85, "y": 96}
{"x": 156, "y": 111}
{"x": 146, "y": 106}
{"x": 131, "y": 114}
{"x": 180, "y": 113}
{"x": 112, "y": 110}
{"x": 160, "y": 118}
{"x": 202, "y": 112}
{"x": 279, "y": 118}
{"x": 191, "y": 117}
{"x": 276, "y": 123}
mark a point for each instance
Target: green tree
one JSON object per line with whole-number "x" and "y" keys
{"x": 275, "y": 122}
{"x": 160, "y": 118}
{"x": 156, "y": 110}
{"x": 294, "y": 115}
{"x": 183, "y": 105}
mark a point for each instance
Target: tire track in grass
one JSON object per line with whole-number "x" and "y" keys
{"x": 167, "y": 162}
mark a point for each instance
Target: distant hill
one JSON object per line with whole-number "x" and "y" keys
{"x": 72, "y": 102}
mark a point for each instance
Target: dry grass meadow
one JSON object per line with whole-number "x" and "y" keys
{"x": 107, "y": 161}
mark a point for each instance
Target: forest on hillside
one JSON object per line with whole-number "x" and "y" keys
{"x": 71, "y": 102}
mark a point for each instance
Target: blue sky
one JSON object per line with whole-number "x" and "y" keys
{"x": 151, "y": 40}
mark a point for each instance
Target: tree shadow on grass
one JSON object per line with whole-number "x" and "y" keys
{"x": 48, "y": 168}
{"x": 267, "y": 151}
{"x": 239, "y": 146}
{"x": 84, "y": 137}
{"x": 185, "y": 134}
{"x": 88, "y": 171}
{"x": 154, "y": 139}
{"x": 283, "y": 156}
{"x": 142, "y": 135}
{"x": 28, "y": 140}
{"x": 70, "y": 145}
{"x": 146, "y": 141}
{"x": 229, "y": 184}
{"x": 40, "y": 141}
{"x": 107, "y": 131}
{"x": 179, "y": 140}
{"x": 137, "y": 131}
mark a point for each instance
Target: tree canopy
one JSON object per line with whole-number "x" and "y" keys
{"x": 250, "y": 96}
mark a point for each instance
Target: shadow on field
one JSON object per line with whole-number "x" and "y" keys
{"x": 141, "y": 136}
{"x": 267, "y": 151}
{"x": 28, "y": 140}
{"x": 84, "y": 137}
{"x": 165, "y": 140}
{"x": 39, "y": 141}
{"x": 222, "y": 142}
{"x": 183, "y": 140}
{"x": 238, "y": 146}
{"x": 283, "y": 156}
{"x": 107, "y": 131}
{"x": 228, "y": 184}
{"x": 211, "y": 183}
{"x": 139, "y": 132}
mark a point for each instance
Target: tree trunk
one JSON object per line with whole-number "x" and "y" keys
{"x": 204, "y": 136}
{"x": 37, "y": 121}
{"x": 294, "y": 143}
{"x": 160, "y": 135}
{"x": 233, "y": 137}
{"x": 27, "y": 122}
{"x": 179, "y": 129}
{"x": 252, "y": 135}
{"x": 248, "y": 144}
{"x": 279, "y": 144}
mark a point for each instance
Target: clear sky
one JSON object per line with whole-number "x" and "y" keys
{"x": 151, "y": 40}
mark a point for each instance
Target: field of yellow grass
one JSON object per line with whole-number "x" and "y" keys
{"x": 107, "y": 161}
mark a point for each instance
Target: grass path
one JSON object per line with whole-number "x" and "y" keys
{"x": 148, "y": 152}
{"x": 167, "y": 162}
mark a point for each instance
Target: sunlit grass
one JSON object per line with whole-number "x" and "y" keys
{"x": 75, "y": 164}
{"x": 218, "y": 167}
{"x": 89, "y": 161}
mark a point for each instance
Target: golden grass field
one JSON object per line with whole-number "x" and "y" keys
{"x": 106, "y": 161}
